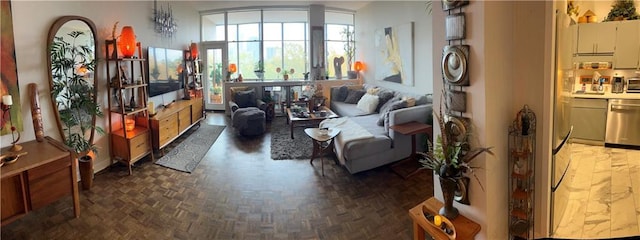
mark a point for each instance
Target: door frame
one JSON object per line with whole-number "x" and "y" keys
{"x": 225, "y": 62}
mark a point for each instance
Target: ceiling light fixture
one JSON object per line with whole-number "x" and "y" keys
{"x": 165, "y": 23}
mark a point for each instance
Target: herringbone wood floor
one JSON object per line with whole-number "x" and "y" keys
{"x": 237, "y": 192}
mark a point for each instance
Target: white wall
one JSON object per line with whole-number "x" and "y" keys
{"x": 31, "y": 23}
{"x": 377, "y": 15}
{"x": 507, "y": 70}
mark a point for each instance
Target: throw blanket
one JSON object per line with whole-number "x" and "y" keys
{"x": 349, "y": 131}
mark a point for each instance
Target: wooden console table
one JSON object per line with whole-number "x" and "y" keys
{"x": 465, "y": 228}
{"x": 45, "y": 174}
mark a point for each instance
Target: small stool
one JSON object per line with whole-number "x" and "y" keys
{"x": 249, "y": 121}
{"x": 322, "y": 142}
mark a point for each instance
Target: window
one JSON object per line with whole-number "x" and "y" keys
{"x": 340, "y": 43}
{"x": 274, "y": 38}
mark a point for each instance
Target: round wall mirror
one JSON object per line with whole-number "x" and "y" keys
{"x": 72, "y": 62}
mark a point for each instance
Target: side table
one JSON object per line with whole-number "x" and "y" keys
{"x": 465, "y": 228}
{"x": 406, "y": 168}
{"x": 322, "y": 143}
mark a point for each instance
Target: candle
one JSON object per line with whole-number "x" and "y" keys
{"x": 7, "y": 100}
{"x": 150, "y": 107}
{"x": 437, "y": 220}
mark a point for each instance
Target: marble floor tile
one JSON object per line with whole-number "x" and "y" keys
{"x": 604, "y": 199}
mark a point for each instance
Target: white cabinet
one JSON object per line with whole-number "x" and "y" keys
{"x": 589, "y": 120}
{"x": 597, "y": 38}
{"x": 627, "y": 50}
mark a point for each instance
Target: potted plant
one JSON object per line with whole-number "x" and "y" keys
{"x": 349, "y": 50}
{"x": 450, "y": 159}
{"x": 285, "y": 73}
{"x": 258, "y": 69}
{"x": 76, "y": 99}
{"x": 622, "y": 10}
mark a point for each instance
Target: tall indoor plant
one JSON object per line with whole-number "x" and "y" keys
{"x": 450, "y": 159}
{"x": 349, "y": 50}
{"x": 75, "y": 98}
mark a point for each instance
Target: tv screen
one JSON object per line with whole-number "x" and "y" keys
{"x": 164, "y": 71}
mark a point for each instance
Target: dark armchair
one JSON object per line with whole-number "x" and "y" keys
{"x": 247, "y": 111}
{"x": 242, "y": 97}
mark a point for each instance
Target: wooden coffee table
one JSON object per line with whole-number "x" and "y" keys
{"x": 315, "y": 118}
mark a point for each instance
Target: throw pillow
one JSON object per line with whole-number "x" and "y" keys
{"x": 342, "y": 94}
{"x": 384, "y": 109}
{"x": 384, "y": 97}
{"x": 399, "y": 104}
{"x": 234, "y": 90}
{"x": 354, "y": 96}
{"x": 245, "y": 98}
{"x": 410, "y": 101}
{"x": 368, "y": 103}
{"x": 373, "y": 91}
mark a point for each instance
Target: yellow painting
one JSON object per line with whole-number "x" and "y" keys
{"x": 394, "y": 54}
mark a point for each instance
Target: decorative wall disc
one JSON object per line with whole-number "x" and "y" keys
{"x": 454, "y": 64}
{"x": 451, "y": 4}
{"x": 456, "y": 127}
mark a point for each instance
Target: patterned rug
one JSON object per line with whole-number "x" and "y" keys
{"x": 283, "y": 147}
{"x": 186, "y": 152}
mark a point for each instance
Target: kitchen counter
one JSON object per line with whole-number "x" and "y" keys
{"x": 606, "y": 95}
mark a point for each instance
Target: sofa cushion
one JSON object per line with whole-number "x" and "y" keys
{"x": 342, "y": 94}
{"x": 354, "y": 96}
{"x": 383, "y": 97}
{"x": 245, "y": 98}
{"x": 346, "y": 109}
{"x": 368, "y": 103}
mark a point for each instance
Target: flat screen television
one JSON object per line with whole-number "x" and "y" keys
{"x": 164, "y": 70}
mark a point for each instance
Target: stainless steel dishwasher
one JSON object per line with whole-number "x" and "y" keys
{"x": 623, "y": 122}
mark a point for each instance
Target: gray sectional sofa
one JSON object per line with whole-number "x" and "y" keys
{"x": 385, "y": 146}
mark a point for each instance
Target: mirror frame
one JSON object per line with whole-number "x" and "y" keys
{"x": 52, "y": 33}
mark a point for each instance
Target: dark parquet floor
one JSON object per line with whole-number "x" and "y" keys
{"x": 237, "y": 192}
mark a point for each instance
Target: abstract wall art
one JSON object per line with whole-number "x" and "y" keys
{"x": 394, "y": 54}
{"x": 9, "y": 86}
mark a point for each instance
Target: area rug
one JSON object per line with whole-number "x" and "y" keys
{"x": 283, "y": 147}
{"x": 186, "y": 152}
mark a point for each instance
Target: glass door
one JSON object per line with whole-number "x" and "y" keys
{"x": 215, "y": 62}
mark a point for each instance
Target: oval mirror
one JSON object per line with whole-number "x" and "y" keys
{"x": 72, "y": 61}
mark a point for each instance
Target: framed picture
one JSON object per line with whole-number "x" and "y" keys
{"x": 452, "y": 4}
{"x": 455, "y": 27}
{"x": 584, "y": 79}
{"x": 317, "y": 47}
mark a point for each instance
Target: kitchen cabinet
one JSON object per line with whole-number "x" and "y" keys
{"x": 596, "y": 38}
{"x": 589, "y": 120}
{"x": 627, "y": 52}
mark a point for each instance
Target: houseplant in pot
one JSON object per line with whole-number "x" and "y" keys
{"x": 75, "y": 97}
{"x": 450, "y": 159}
{"x": 349, "y": 51}
{"x": 258, "y": 69}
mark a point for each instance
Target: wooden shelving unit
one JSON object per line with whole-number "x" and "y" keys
{"x": 128, "y": 113}
{"x": 193, "y": 78}
{"x": 522, "y": 146}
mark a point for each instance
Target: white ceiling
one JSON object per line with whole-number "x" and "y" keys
{"x": 226, "y": 4}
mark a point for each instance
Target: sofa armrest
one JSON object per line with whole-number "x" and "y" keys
{"x": 261, "y": 105}
{"x": 421, "y": 113}
{"x": 233, "y": 106}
